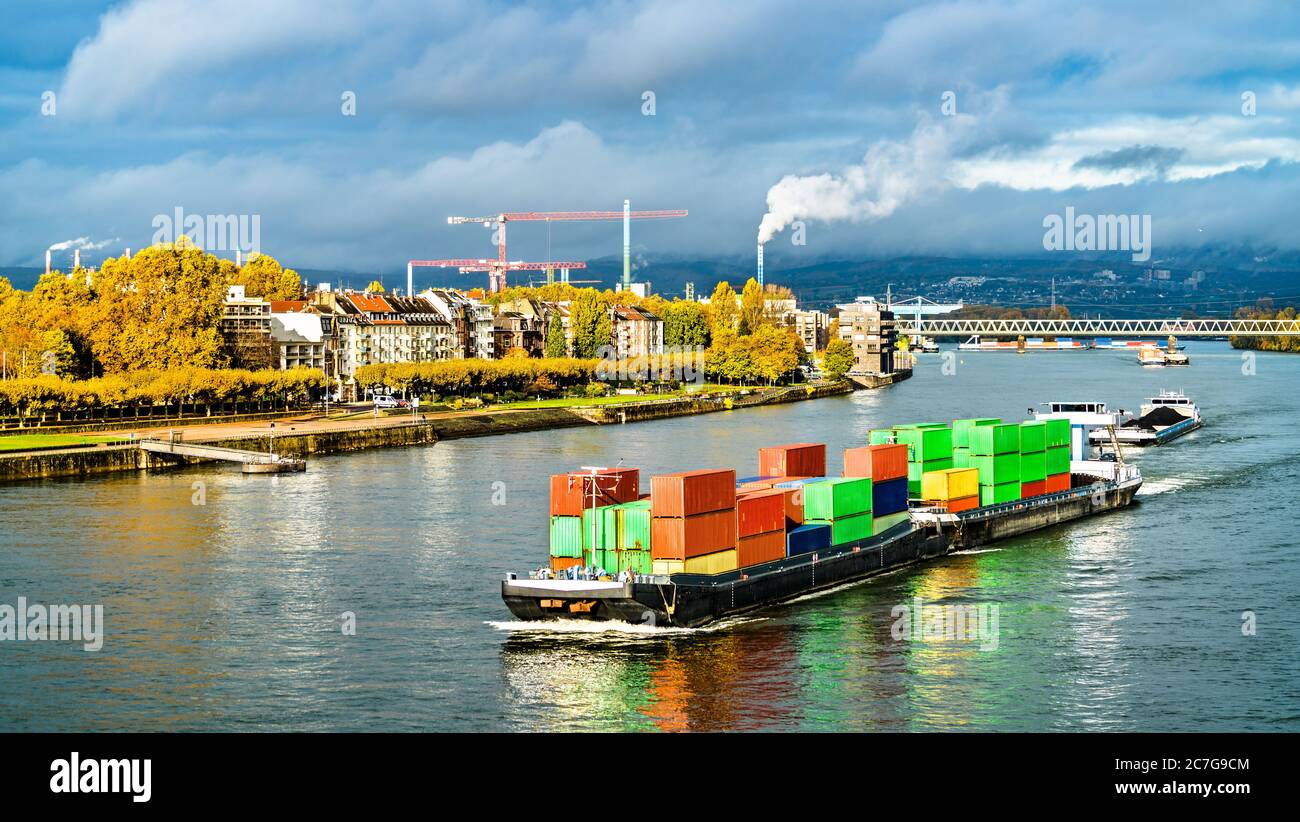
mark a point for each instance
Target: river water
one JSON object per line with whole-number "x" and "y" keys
{"x": 224, "y": 596}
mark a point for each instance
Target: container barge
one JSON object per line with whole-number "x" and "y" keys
{"x": 1031, "y": 344}
{"x": 926, "y": 529}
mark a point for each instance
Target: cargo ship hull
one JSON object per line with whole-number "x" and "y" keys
{"x": 687, "y": 600}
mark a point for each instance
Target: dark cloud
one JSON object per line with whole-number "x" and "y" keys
{"x": 1137, "y": 158}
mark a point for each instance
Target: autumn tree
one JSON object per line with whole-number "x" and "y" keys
{"x": 263, "y": 276}
{"x": 556, "y": 346}
{"x": 686, "y": 324}
{"x": 590, "y": 321}
{"x": 838, "y": 359}
{"x": 723, "y": 313}
{"x": 752, "y": 307}
{"x": 157, "y": 310}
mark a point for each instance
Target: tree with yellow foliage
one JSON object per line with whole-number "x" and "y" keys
{"x": 263, "y": 276}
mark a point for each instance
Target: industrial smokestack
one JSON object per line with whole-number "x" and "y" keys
{"x": 239, "y": 258}
{"x": 760, "y": 264}
{"x": 76, "y": 258}
{"x": 47, "y": 261}
{"x": 627, "y": 245}
{"x": 410, "y": 280}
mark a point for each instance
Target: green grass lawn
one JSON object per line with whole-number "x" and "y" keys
{"x": 24, "y": 442}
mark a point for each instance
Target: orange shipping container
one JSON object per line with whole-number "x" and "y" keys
{"x": 757, "y": 548}
{"x": 793, "y": 507}
{"x": 692, "y": 492}
{"x": 1033, "y": 489}
{"x": 880, "y": 462}
{"x": 954, "y": 506}
{"x": 1057, "y": 482}
{"x": 561, "y": 563}
{"x": 693, "y": 536}
{"x": 572, "y": 492}
{"x": 803, "y": 459}
{"x": 759, "y": 512}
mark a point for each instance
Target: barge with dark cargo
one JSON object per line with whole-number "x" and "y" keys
{"x": 924, "y": 531}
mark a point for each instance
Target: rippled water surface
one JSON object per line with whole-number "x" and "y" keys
{"x": 227, "y": 615}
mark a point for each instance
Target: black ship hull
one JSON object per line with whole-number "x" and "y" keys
{"x": 693, "y": 600}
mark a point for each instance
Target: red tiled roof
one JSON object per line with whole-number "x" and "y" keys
{"x": 286, "y": 306}
{"x": 370, "y": 304}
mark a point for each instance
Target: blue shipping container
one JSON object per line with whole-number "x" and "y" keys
{"x": 799, "y": 483}
{"x": 807, "y": 538}
{"x": 742, "y": 480}
{"x": 889, "y": 497}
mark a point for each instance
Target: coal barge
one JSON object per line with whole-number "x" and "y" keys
{"x": 694, "y": 600}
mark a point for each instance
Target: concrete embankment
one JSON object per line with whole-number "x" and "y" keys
{"x": 305, "y": 443}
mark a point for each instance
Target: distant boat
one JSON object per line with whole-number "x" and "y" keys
{"x": 1031, "y": 344}
{"x": 1154, "y": 357}
{"x": 1107, "y": 342}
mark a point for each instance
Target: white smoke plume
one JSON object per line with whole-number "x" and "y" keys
{"x": 83, "y": 243}
{"x": 890, "y": 174}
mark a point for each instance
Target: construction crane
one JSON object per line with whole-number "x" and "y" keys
{"x": 496, "y": 269}
{"x": 496, "y": 274}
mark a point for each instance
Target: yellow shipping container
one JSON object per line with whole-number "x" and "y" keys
{"x": 953, "y": 483}
{"x": 715, "y": 563}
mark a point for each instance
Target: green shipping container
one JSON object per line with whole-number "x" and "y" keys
{"x": 961, "y": 457}
{"x": 566, "y": 536}
{"x": 835, "y": 498}
{"x": 1058, "y": 433}
{"x": 880, "y": 436}
{"x": 998, "y": 494}
{"x": 990, "y": 440}
{"x": 1033, "y": 437}
{"x": 997, "y": 470}
{"x": 846, "y": 529}
{"x": 633, "y": 532}
{"x": 1033, "y": 467}
{"x": 961, "y": 430}
{"x": 926, "y": 444}
{"x": 606, "y": 528}
{"x": 915, "y": 470}
{"x": 638, "y": 562}
{"x": 879, "y": 525}
{"x": 1058, "y": 460}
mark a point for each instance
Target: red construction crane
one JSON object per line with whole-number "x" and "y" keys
{"x": 496, "y": 275}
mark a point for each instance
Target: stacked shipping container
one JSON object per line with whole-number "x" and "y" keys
{"x": 954, "y": 489}
{"x": 886, "y": 466}
{"x": 929, "y": 447}
{"x": 843, "y": 503}
{"x": 1058, "y": 456}
{"x": 995, "y": 453}
{"x": 693, "y": 522}
{"x": 1033, "y": 459}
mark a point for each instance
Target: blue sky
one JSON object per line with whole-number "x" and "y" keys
{"x": 825, "y": 112}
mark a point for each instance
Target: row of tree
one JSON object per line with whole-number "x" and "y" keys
{"x": 176, "y": 390}
{"x": 1264, "y": 310}
{"x": 159, "y": 309}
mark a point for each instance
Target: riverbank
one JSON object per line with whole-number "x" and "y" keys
{"x": 304, "y": 437}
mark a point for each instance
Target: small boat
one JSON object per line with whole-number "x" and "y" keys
{"x": 1155, "y": 357}
{"x": 1162, "y": 418}
{"x": 1030, "y": 344}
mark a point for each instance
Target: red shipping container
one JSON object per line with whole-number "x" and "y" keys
{"x": 693, "y": 536}
{"x": 1033, "y": 489}
{"x": 572, "y": 492}
{"x": 757, "y": 548}
{"x": 1057, "y": 482}
{"x": 760, "y": 511}
{"x": 880, "y": 462}
{"x": 955, "y": 506}
{"x": 803, "y": 459}
{"x": 687, "y": 493}
{"x": 793, "y": 507}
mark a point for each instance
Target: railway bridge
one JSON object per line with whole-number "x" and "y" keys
{"x": 936, "y": 326}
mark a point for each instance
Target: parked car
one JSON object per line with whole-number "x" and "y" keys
{"x": 386, "y": 401}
